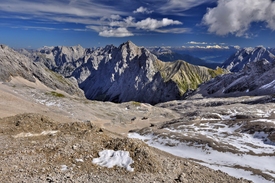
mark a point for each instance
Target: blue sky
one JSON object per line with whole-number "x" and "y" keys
{"x": 92, "y": 23}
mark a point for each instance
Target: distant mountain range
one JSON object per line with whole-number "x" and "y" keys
{"x": 167, "y": 55}
{"x": 132, "y": 73}
{"x": 214, "y": 55}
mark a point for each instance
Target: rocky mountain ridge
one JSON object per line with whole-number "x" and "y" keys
{"x": 124, "y": 73}
{"x": 13, "y": 64}
{"x": 241, "y": 58}
{"x": 256, "y": 78}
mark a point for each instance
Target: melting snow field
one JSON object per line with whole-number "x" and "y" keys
{"x": 241, "y": 153}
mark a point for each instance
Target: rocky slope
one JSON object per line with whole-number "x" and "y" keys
{"x": 14, "y": 64}
{"x": 238, "y": 61}
{"x": 35, "y": 148}
{"x": 124, "y": 73}
{"x": 256, "y": 78}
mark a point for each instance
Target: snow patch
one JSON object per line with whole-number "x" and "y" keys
{"x": 224, "y": 161}
{"x": 23, "y": 134}
{"x": 64, "y": 167}
{"x": 110, "y": 158}
{"x": 264, "y": 120}
{"x": 269, "y": 85}
{"x": 79, "y": 160}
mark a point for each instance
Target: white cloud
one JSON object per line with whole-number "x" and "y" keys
{"x": 119, "y": 28}
{"x": 174, "y": 30}
{"x": 115, "y": 17}
{"x": 103, "y": 18}
{"x": 153, "y": 24}
{"x": 63, "y": 10}
{"x": 194, "y": 42}
{"x": 181, "y": 5}
{"x": 235, "y": 16}
{"x": 143, "y": 10}
{"x": 118, "y": 32}
{"x": 210, "y": 47}
{"x": 146, "y": 24}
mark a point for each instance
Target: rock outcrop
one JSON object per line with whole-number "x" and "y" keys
{"x": 14, "y": 64}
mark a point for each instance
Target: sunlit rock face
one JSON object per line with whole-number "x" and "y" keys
{"x": 124, "y": 73}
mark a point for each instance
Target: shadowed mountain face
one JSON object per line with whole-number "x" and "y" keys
{"x": 14, "y": 64}
{"x": 238, "y": 61}
{"x": 124, "y": 73}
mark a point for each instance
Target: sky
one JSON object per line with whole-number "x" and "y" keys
{"x": 176, "y": 23}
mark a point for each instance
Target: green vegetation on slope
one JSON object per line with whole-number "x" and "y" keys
{"x": 55, "y": 94}
{"x": 185, "y": 75}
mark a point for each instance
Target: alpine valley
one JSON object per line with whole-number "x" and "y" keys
{"x": 136, "y": 114}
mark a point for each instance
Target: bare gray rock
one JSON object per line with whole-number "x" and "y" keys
{"x": 14, "y": 64}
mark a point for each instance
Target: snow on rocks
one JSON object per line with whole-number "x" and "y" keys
{"x": 35, "y": 134}
{"x": 111, "y": 158}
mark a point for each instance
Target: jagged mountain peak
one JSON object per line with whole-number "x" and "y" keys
{"x": 2, "y": 46}
{"x": 123, "y": 73}
{"x": 129, "y": 45}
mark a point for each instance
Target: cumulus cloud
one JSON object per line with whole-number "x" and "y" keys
{"x": 143, "y": 10}
{"x": 235, "y": 16}
{"x": 153, "y": 24}
{"x": 119, "y": 32}
{"x": 119, "y": 27}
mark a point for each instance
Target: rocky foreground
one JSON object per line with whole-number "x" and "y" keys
{"x": 35, "y": 148}
{"x": 47, "y": 136}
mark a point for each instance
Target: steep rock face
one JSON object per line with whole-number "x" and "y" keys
{"x": 256, "y": 78}
{"x": 125, "y": 73}
{"x": 128, "y": 73}
{"x": 14, "y": 64}
{"x": 61, "y": 59}
{"x": 242, "y": 57}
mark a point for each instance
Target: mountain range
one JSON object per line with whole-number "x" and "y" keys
{"x": 132, "y": 73}
{"x": 123, "y": 73}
